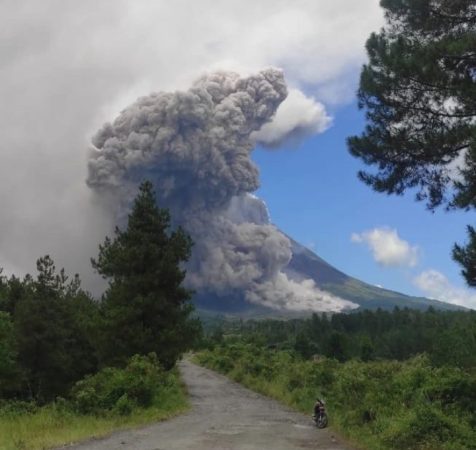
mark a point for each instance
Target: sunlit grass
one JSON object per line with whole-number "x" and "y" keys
{"x": 51, "y": 427}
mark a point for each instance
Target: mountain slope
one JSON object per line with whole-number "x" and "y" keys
{"x": 306, "y": 264}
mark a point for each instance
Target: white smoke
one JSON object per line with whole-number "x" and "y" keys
{"x": 248, "y": 208}
{"x": 296, "y": 118}
{"x": 195, "y": 147}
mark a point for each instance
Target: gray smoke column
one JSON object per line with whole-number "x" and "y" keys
{"x": 195, "y": 147}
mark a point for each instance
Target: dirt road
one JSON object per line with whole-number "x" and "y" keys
{"x": 224, "y": 416}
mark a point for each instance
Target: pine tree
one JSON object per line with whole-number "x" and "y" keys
{"x": 146, "y": 308}
{"x": 52, "y": 339}
{"x": 419, "y": 93}
{"x": 8, "y": 364}
{"x": 466, "y": 256}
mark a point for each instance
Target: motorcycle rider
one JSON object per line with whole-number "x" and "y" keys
{"x": 318, "y": 406}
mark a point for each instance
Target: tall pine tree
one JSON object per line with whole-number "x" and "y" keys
{"x": 146, "y": 308}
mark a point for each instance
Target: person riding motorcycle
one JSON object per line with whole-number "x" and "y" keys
{"x": 318, "y": 406}
{"x": 320, "y": 416}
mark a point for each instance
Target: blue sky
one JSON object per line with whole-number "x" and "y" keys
{"x": 314, "y": 195}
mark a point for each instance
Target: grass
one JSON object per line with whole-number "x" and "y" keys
{"x": 52, "y": 426}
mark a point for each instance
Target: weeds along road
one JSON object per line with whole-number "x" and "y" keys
{"x": 224, "y": 416}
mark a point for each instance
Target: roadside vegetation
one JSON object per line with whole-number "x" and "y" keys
{"x": 112, "y": 399}
{"x": 73, "y": 367}
{"x": 412, "y": 399}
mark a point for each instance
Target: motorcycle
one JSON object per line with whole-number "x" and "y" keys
{"x": 320, "y": 419}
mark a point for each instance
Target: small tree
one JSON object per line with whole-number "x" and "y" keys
{"x": 52, "y": 337}
{"x": 337, "y": 346}
{"x": 145, "y": 308}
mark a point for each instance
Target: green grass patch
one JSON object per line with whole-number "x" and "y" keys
{"x": 49, "y": 428}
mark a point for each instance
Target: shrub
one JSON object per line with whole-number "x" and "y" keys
{"x": 17, "y": 408}
{"x": 124, "y": 406}
{"x": 120, "y": 390}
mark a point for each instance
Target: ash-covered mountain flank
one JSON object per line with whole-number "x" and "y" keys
{"x": 305, "y": 263}
{"x": 195, "y": 146}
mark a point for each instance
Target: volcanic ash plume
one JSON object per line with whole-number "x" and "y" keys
{"x": 195, "y": 147}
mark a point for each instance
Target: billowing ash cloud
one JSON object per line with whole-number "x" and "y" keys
{"x": 195, "y": 147}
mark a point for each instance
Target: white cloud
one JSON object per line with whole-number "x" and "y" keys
{"x": 458, "y": 164}
{"x": 66, "y": 67}
{"x": 297, "y": 117}
{"x": 436, "y": 285}
{"x": 387, "y": 247}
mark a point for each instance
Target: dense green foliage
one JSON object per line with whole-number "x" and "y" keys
{"x": 112, "y": 389}
{"x": 419, "y": 93}
{"x": 7, "y": 353}
{"x": 466, "y": 256}
{"x": 379, "y": 404}
{"x": 145, "y": 393}
{"x": 146, "y": 308}
{"x": 48, "y": 322}
{"x": 447, "y": 337}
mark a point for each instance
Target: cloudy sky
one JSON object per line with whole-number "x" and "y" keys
{"x": 66, "y": 67}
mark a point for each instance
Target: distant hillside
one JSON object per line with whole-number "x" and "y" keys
{"x": 306, "y": 264}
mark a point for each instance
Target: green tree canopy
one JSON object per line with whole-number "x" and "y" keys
{"x": 146, "y": 308}
{"x": 419, "y": 93}
{"x": 52, "y": 319}
{"x": 8, "y": 368}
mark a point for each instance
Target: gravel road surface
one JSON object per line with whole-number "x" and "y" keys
{"x": 224, "y": 416}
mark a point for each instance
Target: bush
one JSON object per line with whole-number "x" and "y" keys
{"x": 16, "y": 408}
{"x": 121, "y": 390}
{"x": 124, "y": 406}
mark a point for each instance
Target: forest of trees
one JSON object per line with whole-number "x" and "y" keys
{"x": 447, "y": 337}
{"x": 53, "y": 333}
